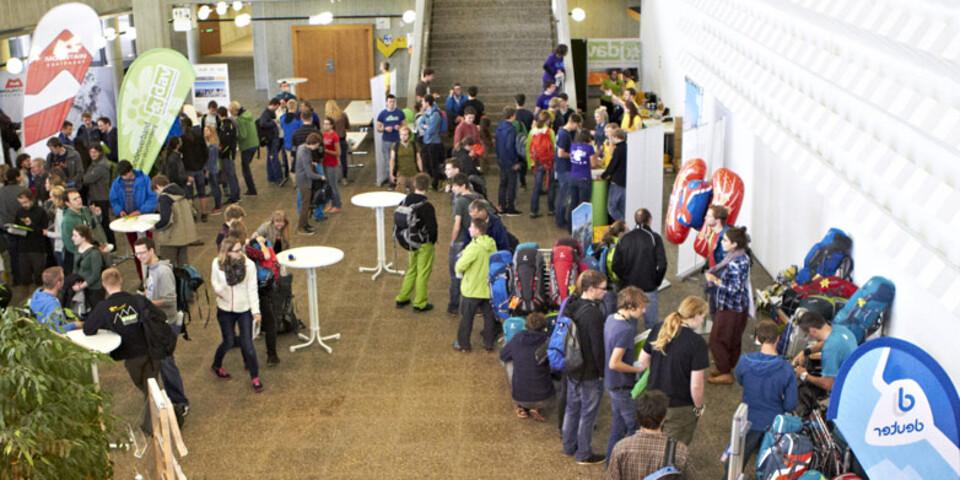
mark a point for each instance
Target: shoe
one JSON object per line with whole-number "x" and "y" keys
{"x": 196, "y": 243}
{"x": 256, "y": 384}
{"x": 180, "y": 411}
{"x": 513, "y": 212}
{"x": 550, "y": 213}
{"x": 457, "y": 347}
{"x": 251, "y": 194}
{"x": 306, "y": 231}
{"x": 722, "y": 379}
{"x": 453, "y": 311}
{"x": 535, "y": 215}
{"x": 403, "y": 303}
{"x": 272, "y": 360}
{"x": 334, "y": 210}
{"x": 216, "y": 211}
{"x": 593, "y": 459}
{"x": 220, "y": 372}
{"x": 425, "y": 308}
{"x": 487, "y": 349}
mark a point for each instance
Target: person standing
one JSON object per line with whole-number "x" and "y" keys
{"x": 388, "y": 124}
{"x": 565, "y": 136}
{"x": 195, "y": 155}
{"x": 289, "y": 123}
{"x": 554, "y": 70}
{"x": 131, "y": 195}
{"x": 97, "y": 182}
{"x": 159, "y": 286}
{"x": 108, "y": 138}
{"x": 459, "y": 235}
{"x": 234, "y": 280}
{"x": 509, "y": 162}
{"x": 73, "y": 216}
{"x": 174, "y": 169}
{"x": 543, "y": 100}
{"x": 176, "y": 229}
{"x": 729, "y": 285}
{"x": 420, "y": 262}
{"x": 583, "y": 159}
{"x": 616, "y": 174}
{"x": 212, "y": 168}
{"x": 467, "y": 127}
{"x": 619, "y": 333}
{"x": 677, "y": 357}
{"x": 87, "y": 267}
{"x": 422, "y": 89}
{"x": 32, "y": 254}
{"x": 65, "y": 158}
{"x": 88, "y": 134}
{"x": 269, "y": 131}
{"x": 474, "y": 102}
{"x": 715, "y": 224}
{"x": 524, "y": 116}
{"x": 331, "y": 164}
{"x": 249, "y": 143}
{"x": 55, "y": 207}
{"x": 454, "y": 104}
{"x": 428, "y": 127}
{"x": 228, "y": 132}
{"x": 341, "y": 124}
{"x": 641, "y": 261}
{"x": 305, "y": 175}
{"x": 474, "y": 267}
{"x": 284, "y": 94}
{"x": 541, "y": 145}
{"x": 405, "y": 161}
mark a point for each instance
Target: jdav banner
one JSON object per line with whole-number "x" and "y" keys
{"x": 60, "y": 54}
{"x": 899, "y": 412}
{"x": 152, "y": 93}
{"x": 613, "y": 53}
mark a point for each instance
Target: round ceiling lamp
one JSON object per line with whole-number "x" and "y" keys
{"x": 578, "y": 14}
{"x": 237, "y": 6}
{"x": 221, "y": 8}
{"x": 203, "y": 12}
{"x": 14, "y": 65}
{"x": 409, "y": 16}
{"x": 242, "y": 20}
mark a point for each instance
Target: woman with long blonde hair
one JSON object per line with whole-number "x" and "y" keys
{"x": 341, "y": 123}
{"x": 678, "y": 357}
{"x": 212, "y": 167}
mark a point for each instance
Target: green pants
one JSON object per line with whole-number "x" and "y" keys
{"x": 680, "y": 424}
{"x": 417, "y": 276}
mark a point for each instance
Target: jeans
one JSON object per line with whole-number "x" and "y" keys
{"x": 623, "y": 417}
{"x": 561, "y": 198}
{"x": 616, "y": 201}
{"x": 651, "y": 316}
{"x": 417, "y": 276}
{"x": 246, "y": 157}
{"x": 455, "y": 249}
{"x": 228, "y": 324}
{"x": 383, "y": 168}
{"x": 213, "y": 176}
{"x": 539, "y": 173}
{"x": 275, "y": 171}
{"x": 172, "y": 381}
{"x": 333, "y": 177}
{"x": 580, "y": 189}
{"x": 583, "y": 405}
{"x": 230, "y": 170}
{"x": 199, "y": 189}
{"x": 468, "y": 310}
{"x": 344, "y": 151}
{"x": 507, "y": 194}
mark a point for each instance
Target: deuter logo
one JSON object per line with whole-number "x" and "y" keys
{"x": 902, "y": 415}
{"x": 896, "y": 428}
{"x": 14, "y": 83}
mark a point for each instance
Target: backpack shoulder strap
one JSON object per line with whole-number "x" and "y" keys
{"x": 670, "y": 454}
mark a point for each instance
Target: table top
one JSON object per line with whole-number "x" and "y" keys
{"x": 293, "y": 80}
{"x": 356, "y": 138}
{"x": 360, "y": 112}
{"x": 377, "y": 199}
{"x": 104, "y": 341}
{"x": 310, "y": 257}
{"x": 138, "y": 224}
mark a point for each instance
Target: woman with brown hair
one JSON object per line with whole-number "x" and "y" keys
{"x": 276, "y": 230}
{"x": 213, "y": 169}
{"x": 677, "y": 357}
{"x": 341, "y": 123}
{"x": 234, "y": 280}
{"x": 730, "y": 295}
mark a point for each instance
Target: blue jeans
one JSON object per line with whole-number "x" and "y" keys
{"x": 561, "y": 215}
{"x": 580, "y": 189}
{"x": 199, "y": 189}
{"x": 651, "y": 316}
{"x": 213, "y": 174}
{"x": 616, "y": 201}
{"x": 172, "y": 381}
{"x": 228, "y": 324}
{"x": 454, "y": 305}
{"x": 623, "y": 417}
{"x": 274, "y": 168}
{"x": 233, "y": 183}
{"x": 539, "y": 173}
{"x": 583, "y": 405}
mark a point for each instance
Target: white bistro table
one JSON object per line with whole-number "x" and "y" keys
{"x": 138, "y": 224}
{"x": 293, "y": 82}
{"x": 310, "y": 259}
{"x": 104, "y": 341}
{"x": 379, "y": 201}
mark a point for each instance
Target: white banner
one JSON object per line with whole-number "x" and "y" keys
{"x": 11, "y": 94}
{"x": 212, "y": 83}
{"x": 645, "y": 175}
{"x": 613, "y": 53}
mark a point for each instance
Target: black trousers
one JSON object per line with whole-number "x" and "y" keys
{"x": 433, "y": 162}
{"x": 268, "y": 297}
{"x": 507, "y": 194}
{"x": 32, "y": 265}
{"x": 140, "y": 370}
{"x": 468, "y": 309}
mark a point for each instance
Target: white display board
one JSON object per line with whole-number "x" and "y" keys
{"x": 212, "y": 83}
{"x": 11, "y": 94}
{"x": 97, "y": 95}
{"x": 380, "y": 83}
{"x": 706, "y": 142}
{"x": 645, "y": 175}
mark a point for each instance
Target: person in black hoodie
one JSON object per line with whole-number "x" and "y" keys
{"x": 420, "y": 263}
{"x": 306, "y": 128}
{"x": 269, "y": 132}
{"x": 585, "y": 385}
{"x": 640, "y": 261}
{"x": 32, "y": 253}
{"x": 194, "y": 152}
{"x": 531, "y": 387}
{"x": 616, "y": 174}
{"x": 124, "y": 313}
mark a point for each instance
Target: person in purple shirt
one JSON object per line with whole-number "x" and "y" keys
{"x": 583, "y": 157}
{"x": 553, "y": 68}
{"x": 543, "y": 101}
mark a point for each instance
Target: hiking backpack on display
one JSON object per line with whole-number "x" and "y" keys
{"x": 668, "y": 469}
{"x": 409, "y": 229}
{"x": 511, "y": 327}
{"x": 500, "y": 283}
{"x": 828, "y": 257}
{"x": 528, "y": 283}
{"x": 868, "y": 309}
{"x": 563, "y": 346}
{"x": 785, "y": 453}
{"x": 564, "y": 269}
{"x": 825, "y": 305}
{"x": 830, "y": 286}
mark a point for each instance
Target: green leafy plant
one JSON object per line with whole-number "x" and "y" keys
{"x": 54, "y": 422}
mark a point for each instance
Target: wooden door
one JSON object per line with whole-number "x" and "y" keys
{"x": 336, "y": 60}
{"x": 209, "y": 32}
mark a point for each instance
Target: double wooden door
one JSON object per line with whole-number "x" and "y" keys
{"x": 337, "y": 61}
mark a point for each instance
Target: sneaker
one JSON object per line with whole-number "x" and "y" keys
{"x": 403, "y": 303}
{"x": 272, "y": 360}
{"x": 258, "y": 386}
{"x": 306, "y": 231}
{"x": 513, "y": 212}
{"x": 216, "y": 211}
{"x": 251, "y": 194}
{"x": 425, "y": 308}
{"x": 220, "y": 372}
{"x": 593, "y": 459}
{"x": 550, "y": 213}
{"x": 334, "y": 210}
{"x": 535, "y": 215}
{"x": 457, "y": 347}
{"x": 203, "y": 218}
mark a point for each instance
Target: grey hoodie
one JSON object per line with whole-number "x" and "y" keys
{"x": 160, "y": 284}
{"x": 97, "y": 179}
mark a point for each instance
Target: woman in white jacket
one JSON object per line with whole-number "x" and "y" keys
{"x": 234, "y": 280}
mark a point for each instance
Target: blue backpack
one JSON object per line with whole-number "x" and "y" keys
{"x": 668, "y": 469}
{"x": 785, "y": 453}
{"x": 500, "y": 282}
{"x": 831, "y": 256}
{"x": 511, "y": 327}
{"x": 563, "y": 348}
{"x": 868, "y": 309}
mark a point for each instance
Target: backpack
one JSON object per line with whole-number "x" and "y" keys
{"x": 161, "y": 341}
{"x": 322, "y": 193}
{"x": 409, "y": 229}
{"x": 825, "y": 305}
{"x": 187, "y": 281}
{"x": 787, "y": 457}
{"x": 511, "y": 327}
{"x": 528, "y": 282}
{"x": 564, "y": 269}
{"x": 668, "y": 469}
{"x": 828, "y": 257}
{"x": 868, "y": 309}
{"x": 541, "y": 149}
{"x": 499, "y": 277}
{"x": 563, "y": 347}
{"x": 284, "y": 311}
{"x": 831, "y": 286}
{"x": 521, "y": 139}
{"x": 268, "y": 270}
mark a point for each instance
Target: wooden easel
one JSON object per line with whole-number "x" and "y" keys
{"x": 166, "y": 434}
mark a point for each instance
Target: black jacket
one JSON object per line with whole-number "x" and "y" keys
{"x": 266, "y": 126}
{"x": 174, "y": 169}
{"x": 616, "y": 171}
{"x": 34, "y": 218}
{"x": 640, "y": 260}
{"x": 588, "y": 316}
{"x": 300, "y": 134}
{"x": 194, "y": 150}
{"x": 531, "y": 380}
{"x": 227, "y": 131}
{"x": 122, "y": 313}
{"x": 426, "y": 212}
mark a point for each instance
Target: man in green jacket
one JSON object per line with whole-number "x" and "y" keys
{"x": 75, "y": 214}
{"x": 474, "y": 267}
{"x": 248, "y": 141}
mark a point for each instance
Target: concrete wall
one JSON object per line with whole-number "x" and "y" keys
{"x": 273, "y": 55}
{"x": 605, "y": 19}
{"x": 17, "y": 14}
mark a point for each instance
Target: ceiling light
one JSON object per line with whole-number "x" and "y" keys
{"x": 237, "y": 6}
{"x": 204, "y": 12}
{"x": 14, "y": 65}
{"x": 242, "y": 20}
{"x": 221, "y": 8}
{"x": 578, "y": 14}
{"x": 131, "y": 33}
{"x": 409, "y": 16}
{"x": 325, "y": 18}
{"x": 110, "y": 34}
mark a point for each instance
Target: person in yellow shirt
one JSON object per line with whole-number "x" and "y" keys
{"x": 632, "y": 120}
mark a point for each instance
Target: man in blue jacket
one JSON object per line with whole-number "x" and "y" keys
{"x": 454, "y": 104}
{"x": 428, "y": 127}
{"x": 509, "y": 161}
{"x": 132, "y": 195}
{"x": 45, "y": 304}
{"x": 481, "y": 209}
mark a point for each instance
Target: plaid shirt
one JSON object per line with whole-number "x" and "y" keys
{"x": 641, "y": 454}
{"x": 733, "y": 292}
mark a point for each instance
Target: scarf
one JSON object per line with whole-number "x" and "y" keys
{"x": 235, "y": 271}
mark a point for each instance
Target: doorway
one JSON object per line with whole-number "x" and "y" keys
{"x": 336, "y": 60}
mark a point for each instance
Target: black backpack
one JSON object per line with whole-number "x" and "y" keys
{"x": 187, "y": 280}
{"x": 322, "y": 193}
{"x": 409, "y": 229}
{"x": 161, "y": 341}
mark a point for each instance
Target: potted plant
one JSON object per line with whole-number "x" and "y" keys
{"x": 54, "y": 422}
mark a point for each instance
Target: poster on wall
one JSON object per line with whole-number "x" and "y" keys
{"x": 899, "y": 411}
{"x": 693, "y": 103}
{"x": 607, "y": 53}
{"x": 212, "y": 83}
{"x": 152, "y": 93}
{"x": 60, "y": 55}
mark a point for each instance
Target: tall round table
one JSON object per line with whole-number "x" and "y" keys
{"x": 139, "y": 224}
{"x": 379, "y": 201}
{"x": 310, "y": 259}
{"x": 104, "y": 341}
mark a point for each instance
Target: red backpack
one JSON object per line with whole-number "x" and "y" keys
{"x": 541, "y": 149}
{"x": 565, "y": 267}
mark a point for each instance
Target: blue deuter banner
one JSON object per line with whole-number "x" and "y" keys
{"x": 899, "y": 412}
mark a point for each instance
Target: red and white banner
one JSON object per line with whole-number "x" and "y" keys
{"x": 62, "y": 50}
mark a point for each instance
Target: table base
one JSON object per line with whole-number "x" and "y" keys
{"x": 314, "y": 336}
{"x": 379, "y": 269}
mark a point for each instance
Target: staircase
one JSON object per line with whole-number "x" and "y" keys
{"x": 497, "y": 45}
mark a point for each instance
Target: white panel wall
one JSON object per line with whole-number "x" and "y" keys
{"x": 841, "y": 114}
